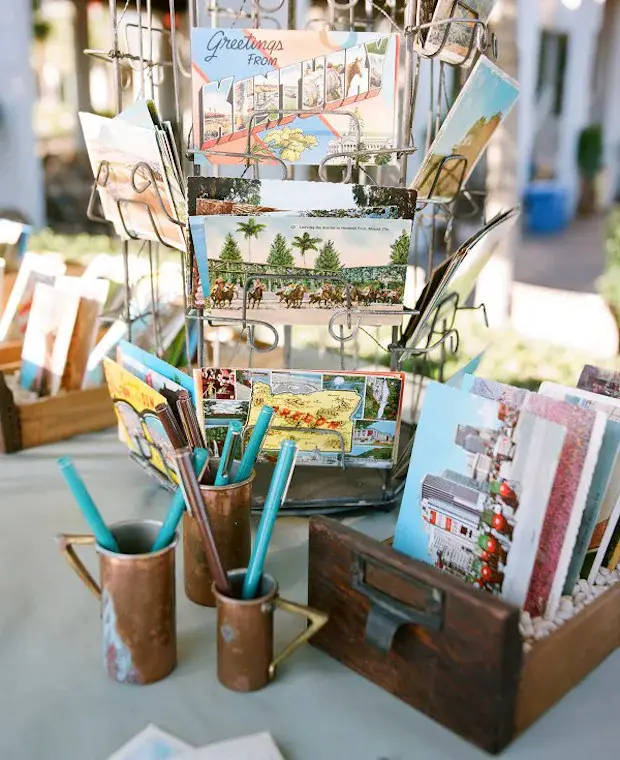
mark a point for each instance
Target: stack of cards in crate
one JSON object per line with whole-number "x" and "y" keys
{"x": 66, "y": 325}
{"x": 517, "y": 493}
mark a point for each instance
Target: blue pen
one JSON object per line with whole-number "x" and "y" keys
{"x": 223, "y": 470}
{"x": 177, "y": 505}
{"x": 248, "y": 460}
{"x": 278, "y": 487}
{"x": 102, "y": 533}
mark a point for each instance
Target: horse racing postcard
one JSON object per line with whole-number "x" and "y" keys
{"x": 335, "y": 418}
{"x": 303, "y": 270}
{"x": 296, "y": 96}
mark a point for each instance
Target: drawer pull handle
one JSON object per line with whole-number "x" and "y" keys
{"x": 386, "y": 614}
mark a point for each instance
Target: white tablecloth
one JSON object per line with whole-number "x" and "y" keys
{"x": 57, "y": 704}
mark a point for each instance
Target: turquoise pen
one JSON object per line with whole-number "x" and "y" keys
{"x": 102, "y": 533}
{"x": 223, "y": 471}
{"x": 278, "y": 487}
{"x": 248, "y": 460}
{"x": 166, "y": 533}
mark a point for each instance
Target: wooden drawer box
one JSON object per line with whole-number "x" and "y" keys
{"x": 47, "y": 420}
{"x": 447, "y": 649}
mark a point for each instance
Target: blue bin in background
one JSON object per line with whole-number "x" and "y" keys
{"x": 546, "y": 208}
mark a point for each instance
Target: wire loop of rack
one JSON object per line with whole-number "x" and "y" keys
{"x": 102, "y": 179}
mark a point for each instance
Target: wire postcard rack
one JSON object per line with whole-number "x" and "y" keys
{"x": 146, "y": 50}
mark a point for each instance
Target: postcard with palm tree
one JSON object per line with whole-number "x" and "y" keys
{"x": 293, "y": 95}
{"x": 301, "y": 270}
{"x": 482, "y": 105}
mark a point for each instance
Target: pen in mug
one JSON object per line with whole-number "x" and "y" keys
{"x": 177, "y": 505}
{"x": 278, "y": 487}
{"x": 171, "y": 426}
{"x": 189, "y": 420}
{"x": 232, "y": 436}
{"x": 248, "y": 460}
{"x": 102, "y": 533}
{"x": 194, "y": 500}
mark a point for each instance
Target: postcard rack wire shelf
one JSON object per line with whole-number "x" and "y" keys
{"x": 441, "y": 336}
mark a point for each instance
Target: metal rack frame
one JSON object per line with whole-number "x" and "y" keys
{"x": 340, "y": 14}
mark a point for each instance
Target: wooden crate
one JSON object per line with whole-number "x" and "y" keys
{"x": 46, "y": 420}
{"x": 442, "y": 646}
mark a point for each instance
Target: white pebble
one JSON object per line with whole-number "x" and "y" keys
{"x": 566, "y": 604}
{"x": 598, "y": 590}
{"x": 579, "y": 599}
{"x": 526, "y": 627}
{"x": 564, "y": 615}
{"x": 527, "y": 647}
{"x": 541, "y": 633}
{"x": 600, "y": 579}
{"x": 605, "y": 572}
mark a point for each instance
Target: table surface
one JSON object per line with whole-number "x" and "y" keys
{"x": 57, "y": 704}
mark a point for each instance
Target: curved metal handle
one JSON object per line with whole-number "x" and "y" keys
{"x": 65, "y": 542}
{"x": 317, "y": 621}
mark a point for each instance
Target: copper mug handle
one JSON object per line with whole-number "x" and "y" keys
{"x": 66, "y": 542}
{"x": 317, "y": 621}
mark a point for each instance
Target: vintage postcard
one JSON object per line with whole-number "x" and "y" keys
{"x": 453, "y": 281}
{"x": 604, "y": 382}
{"x": 139, "y": 427}
{"x": 425, "y": 9}
{"x": 482, "y": 105}
{"x": 456, "y": 40}
{"x": 152, "y": 744}
{"x": 296, "y": 270}
{"x": 350, "y": 417}
{"x": 253, "y": 747}
{"x": 605, "y": 487}
{"x": 245, "y": 197}
{"x": 479, "y": 481}
{"x": 608, "y": 546}
{"x": 171, "y": 377}
{"x": 297, "y": 96}
{"x": 611, "y": 560}
{"x": 92, "y": 295}
{"x": 133, "y": 184}
{"x": 48, "y": 335}
{"x": 34, "y": 268}
{"x": 585, "y": 429}
{"x": 208, "y": 196}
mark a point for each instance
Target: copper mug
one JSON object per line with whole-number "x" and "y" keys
{"x": 138, "y": 603}
{"x": 229, "y": 509}
{"x": 245, "y": 660}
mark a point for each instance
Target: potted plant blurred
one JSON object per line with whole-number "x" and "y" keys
{"x": 590, "y": 161}
{"x": 609, "y": 282}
